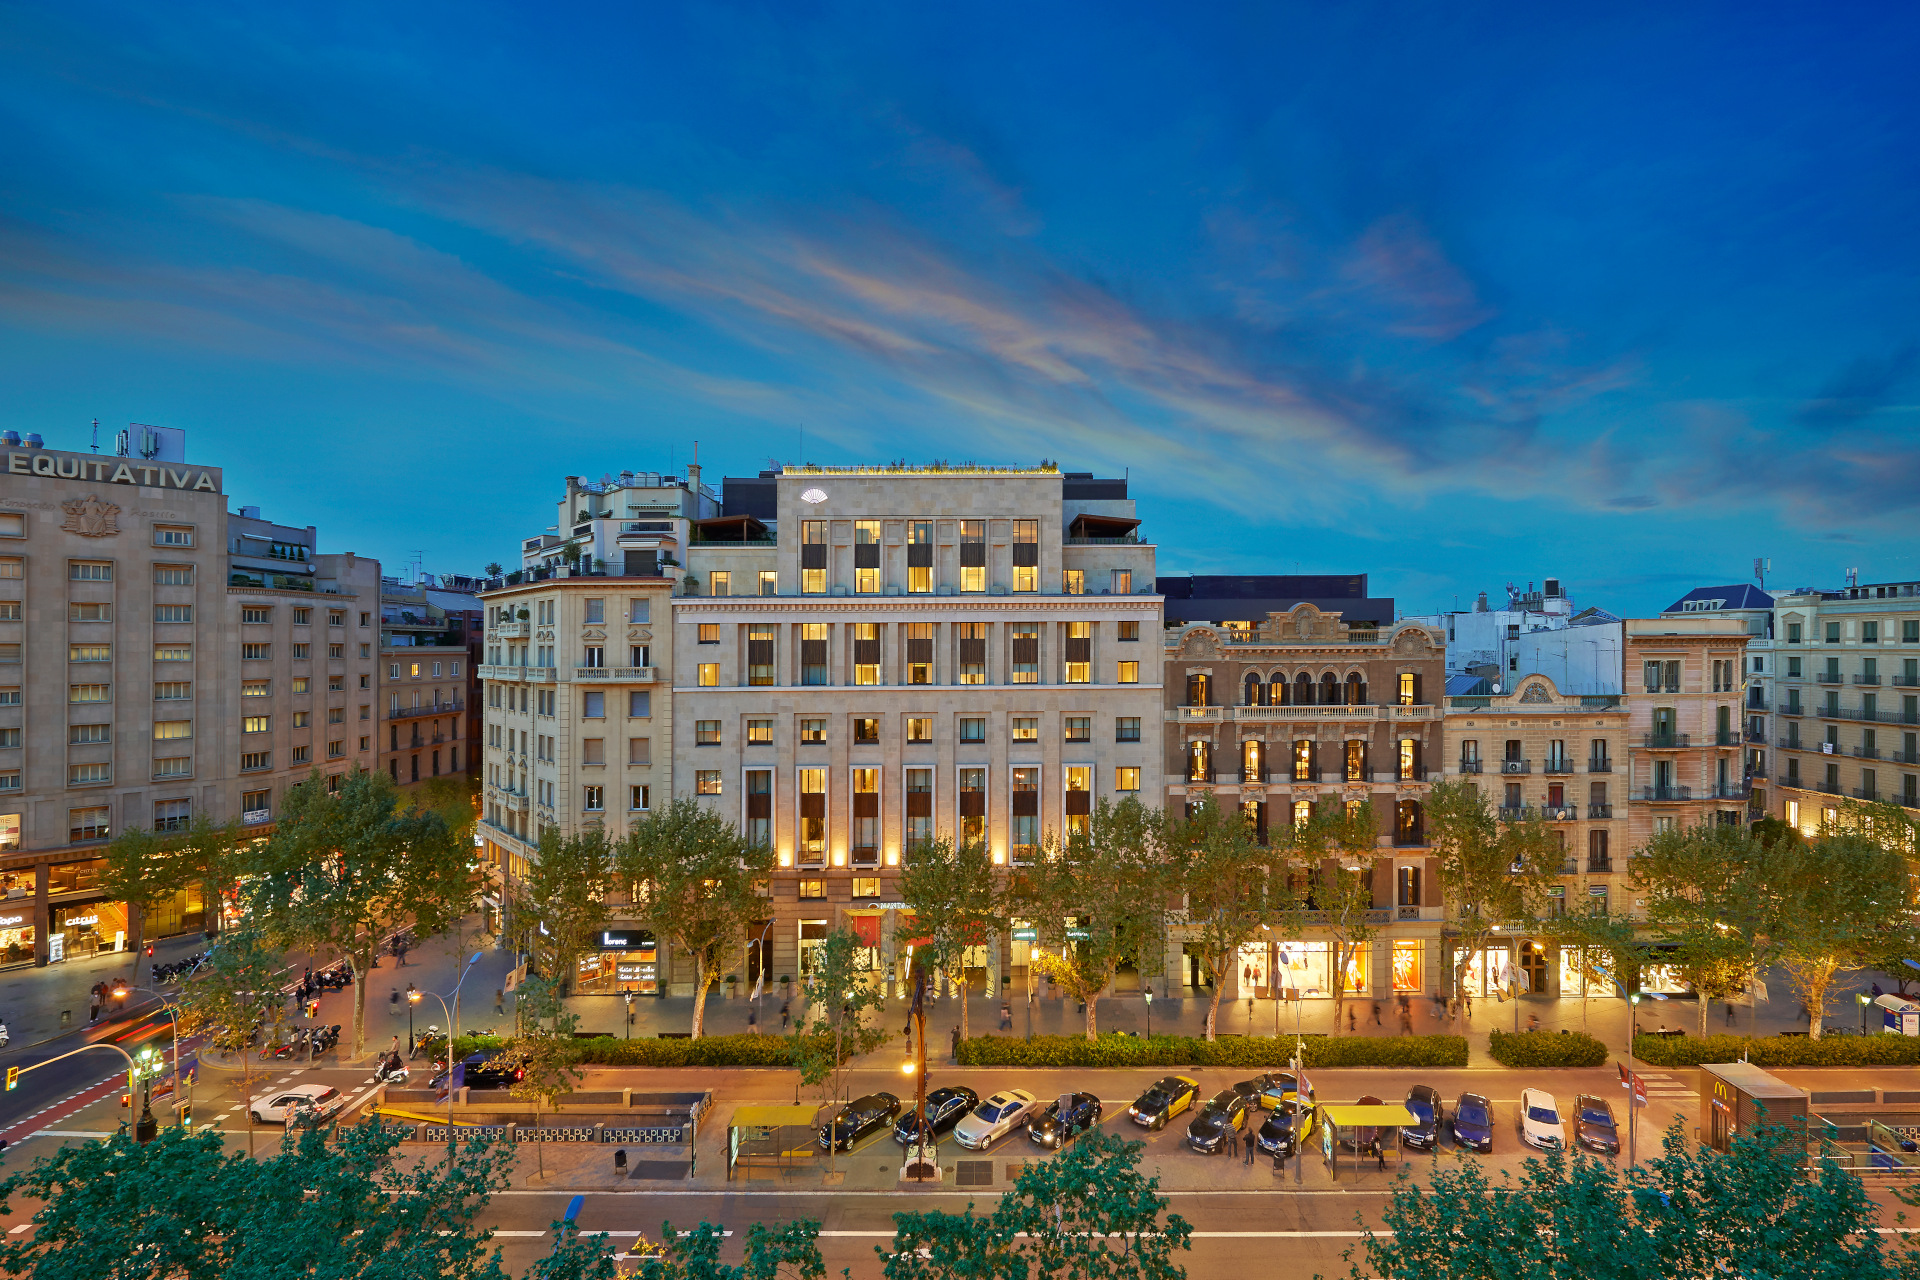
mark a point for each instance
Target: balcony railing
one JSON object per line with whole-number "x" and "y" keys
{"x": 1756, "y": 703}
{"x": 1128, "y": 540}
{"x": 1866, "y": 753}
{"x": 1560, "y": 765}
{"x": 1728, "y": 791}
{"x": 1907, "y": 682}
{"x": 1757, "y": 735}
{"x": 1599, "y": 766}
{"x": 1726, "y": 737}
{"x": 1561, "y": 812}
{"x": 1904, "y": 757}
{"x": 1515, "y": 813}
{"x": 1409, "y": 913}
{"x": 1516, "y": 766}
{"x": 1666, "y": 741}
{"x": 621, "y": 675}
{"x": 1599, "y": 811}
{"x": 1409, "y": 840}
{"x": 1866, "y": 793}
{"x": 1665, "y": 795}
{"x": 1470, "y": 766}
{"x": 1829, "y": 677}
{"x": 1599, "y": 866}
{"x": 512, "y": 630}
{"x": 1868, "y": 680}
{"x": 1871, "y": 716}
{"x": 429, "y": 709}
{"x": 1793, "y": 709}
{"x": 1759, "y": 772}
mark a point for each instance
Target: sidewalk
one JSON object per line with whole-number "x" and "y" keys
{"x": 31, "y": 1000}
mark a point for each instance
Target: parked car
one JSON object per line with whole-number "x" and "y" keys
{"x": 300, "y": 1103}
{"x": 1361, "y": 1136}
{"x": 1226, "y": 1111}
{"x": 857, "y": 1119}
{"x": 1287, "y": 1128}
{"x": 1268, "y": 1088}
{"x": 1593, "y": 1126}
{"x": 1540, "y": 1120}
{"x": 1471, "y": 1123}
{"x": 1424, "y": 1101}
{"x": 944, "y": 1109}
{"x": 1164, "y": 1099}
{"x": 994, "y": 1119}
{"x": 485, "y": 1070}
{"x": 1050, "y": 1130}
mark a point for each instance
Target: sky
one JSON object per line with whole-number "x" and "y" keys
{"x": 1455, "y": 295}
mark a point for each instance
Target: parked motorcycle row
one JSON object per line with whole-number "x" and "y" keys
{"x": 177, "y": 970}
{"x": 314, "y": 1040}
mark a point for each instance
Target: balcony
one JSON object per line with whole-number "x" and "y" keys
{"x": 1726, "y": 737}
{"x": 1760, "y": 772}
{"x": 1830, "y": 677}
{"x": 1599, "y": 812}
{"x": 1599, "y": 866}
{"x": 1415, "y": 839}
{"x": 1515, "y": 813}
{"x": 1409, "y": 913}
{"x": 1866, "y": 753}
{"x": 1757, "y": 735}
{"x": 513, "y": 630}
{"x": 1907, "y": 682}
{"x": 1516, "y": 766}
{"x": 1665, "y": 795}
{"x": 1866, "y": 793}
{"x": 1727, "y": 791}
{"x": 1469, "y": 766}
{"x": 1561, "y": 813}
{"x": 1904, "y": 757}
{"x": 1202, "y": 713}
{"x": 1793, "y": 709}
{"x": 617, "y": 675}
{"x": 429, "y": 709}
{"x": 1666, "y": 741}
{"x": 516, "y": 800}
{"x": 1870, "y": 715}
{"x": 1411, "y": 775}
{"x": 1560, "y": 765}
{"x": 1867, "y": 680}
{"x": 1757, "y": 703}
{"x": 1599, "y": 766}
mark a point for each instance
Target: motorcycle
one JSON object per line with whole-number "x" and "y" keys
{"x": 4, "y": 1036}
{"x": 391, "y": 1071}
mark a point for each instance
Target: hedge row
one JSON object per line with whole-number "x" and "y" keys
{"x": 1541, "y": 1049}
{"x": 709, "y": 1051}
{"x": 1233, "y": 1051}
{"x": 1779, "y": 1051}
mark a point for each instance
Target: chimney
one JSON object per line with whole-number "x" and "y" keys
{"x": 1480, "y": 605}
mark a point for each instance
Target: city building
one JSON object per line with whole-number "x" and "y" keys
{"x": 876, "y": 656}
{"x": 1685, "y": 743}
{"x": 1754, "y": 609}
{"x": 1847, "y": 699}
{"x": 1300, "y": 709}
{"x": 1536, "y": 633}
{"x": 185, "y": 660}
{"x": 431, "y": 646}
{"x": 1240, "y": 602}
{"x": 1534, "y": 750}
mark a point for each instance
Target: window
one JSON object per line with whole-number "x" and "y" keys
{"x": 706, "y": 733}
{"x": 1910, "y": 631}
{"x": 89, "y": 693}
{"x": 1079, "y": 797}
{"x": 81, "y": 733}
{"x": 866, "y": 731}
{"x": 1078, "y": 728}
{"x": 1073, "y": 582}
{"x": 866, "y": 817}
{"x": 639, "y": 705}
{"x": 1025, "y": 637}
{"x": 10, "y": 566}
{"x": 89, "y": 571}
{"x": 866, "y": 653}
{"x": 1303, "y": 761}
{"x": 973, "y": 806}
{"x": 919, "y": 653}
{"x": 973, "y": 729}
{"x": 337, "y": 651}
{"x": 769, "y": 584}
{"x": 1126, "y": 729}
{"x": 1025, "y": 799}
{"x": 1199, "y": 761}
{"x": 594, "y": 610}
{"x": 593, "y": 706}
{"x": 919, "y": 560}
{"x": 813, "y": 653}
{"x": 1123, "y": 582}
{"x": 639, "y": 655}
{"x": 709, "y": 633}
{"x": 1026, "y": 728}
{"x": 709, "y": 675}
{"x": 1870, "y": 632}
{"x": 173, "y": 767}
{"x": 172, "y": 690}
{"x": 759, "y": 733}
{"x": 919, "y": 728}
{"x": 919, "y": 806}
{"x": 13, "y": 525}
{"x": 593, "y": 799}
{"x": 338, "y": 747}
{"x": 813, "y": 890}
{"x": 1126, "y": 777}
{"x": 336, "y": 617}
{"x": 301, "y": 617}
{"x": 813, "y": 814}
{"x": 91, "y": 653}
{"x": 80, "y": 611}
{"x": 1409, "y": 688}
{"x": 866, "y": 557}
{"x": 813, "y": 557}
{"x": 1126, "y": 630}
{"x": 256, "y": 760}
{"x": 256, "y": 613}
{"x": 760, "y": 655}
{"x": 1026, "y": 555}
{"x": 971, "y": 637}
{"x": 173, "y": 653}
{"x": 10, "y": 782}
{"x": 1833, "y": 633}
{"x": 706, "y": 782}
{"x": 167, "y": 729}
{"x": 813, "y": 729}
{"x": 973, "y": 555}
{"x": 1128, "y": 673}
{"x": 171, "y": 613}
{"x": 759, "y": 786}
{"x": 256, "y": 724}
{"x": 88, "y": 824}
{"x": 256, "y": 652}
{"x": 594, "y": 659}
{"x": 637, "y": 796}
{"x": 594, "y": 751}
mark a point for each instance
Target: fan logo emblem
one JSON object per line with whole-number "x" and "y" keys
{"x": 814, "y": 495}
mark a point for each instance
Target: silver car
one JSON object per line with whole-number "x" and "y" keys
{"x": 995, "y": 1118}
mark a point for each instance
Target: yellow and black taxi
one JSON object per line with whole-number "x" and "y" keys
{"x": 1287, "y": 1127}
{"x": 1164, "y": 1099}
{"x": 1225, "y": 1112}
{"x": 1270, "y": 1088}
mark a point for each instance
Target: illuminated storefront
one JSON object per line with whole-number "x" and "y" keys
{"x": 624, "y": 960}
{"x": 1584, "y": 973}
{"x": 1408, "y": 958}
{"x": 16, "y": 932}
{"x": 90, "y": 929}
{"x": 1308, "y": 967}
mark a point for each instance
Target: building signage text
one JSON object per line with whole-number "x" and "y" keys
{"x": 109, "y": 471}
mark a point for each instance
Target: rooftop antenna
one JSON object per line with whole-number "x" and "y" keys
{"x": 1762, "y": 566}
{"x": 96, "y": 435}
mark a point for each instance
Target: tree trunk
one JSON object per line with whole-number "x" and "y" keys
{"x": 702, "y": 980}
{"x": 1339, "y": 984}
{"x": 1093, "y": 1009}
{"x": 356, "y": 1023}
{"x": 1703, "y": 1003}
{"x": 1213, "y": 1008}
{"x": 966, "y": 1023}
{"x": 539, "y": 1148}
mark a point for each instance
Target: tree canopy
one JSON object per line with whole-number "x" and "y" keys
{"x": 954, "y": 895}
{"x": 1233, "y": 890}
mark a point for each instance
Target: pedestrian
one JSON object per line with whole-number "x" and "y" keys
{"x": 1349, "y": 1019}
{"x": 1469, "y": 1006}
{"x": 1006, "y": 1015}
{"x": 93, "y": 1005}
{"x": 1233, "y": 1141}
{"x": 1406, "y": 1022}
{"x": 1252, "y": 1146}
{"x": 393, "y": 1002}
{"x": 1729, "y": 1013}
{"x": 500, "y": 1001}
{"x": 403, "y": 952}
{"x": 956, "y": 1043}
{"x": 1376, "y": 1014}
{"x": 1379, "y": 1152}
{"x": 1533, "y": 1022}
{"x": 753, "y": 1022}
{"x": 786, "y": 1016}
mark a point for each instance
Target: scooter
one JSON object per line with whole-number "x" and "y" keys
{"x": 390, "y": 1071}
{"x": 4, "y": 1037}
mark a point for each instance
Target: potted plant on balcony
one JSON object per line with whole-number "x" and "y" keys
{"x": 599, "y": 565}
{"x": 524, "y": 615}
{"x": 494, "y": 569}
{"x": 690, "y": 585}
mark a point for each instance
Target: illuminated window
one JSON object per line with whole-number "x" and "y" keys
{"x": 1126, "y": 778}
{"x": 866, "y": 652}
{"x": 973, "y": 806}
{"x": 90, "y": 653}
{"x": 759, "y": 733}
{"x": 866, "y": 817}
{"x": 1128, "y": 673}
{"x": 706, "y": 782}
{"x": 709, "y": 676}
{"x": 919, "y": 653}
{"x": 720, "y": 583}
{"x": 1073, "y": 582}
{"x": 1026, "y": 728}
{"x": 919, "y": 806}
{"x": 813, "y": 653}
{"x": 760, "y": 668}
{"x": 1026, "y": 555}
{"x": 813, "y": 557}
{"x": 866, "y": 557}
{"x": 1025, "y": 638}
{"x": 706, "y": 733}
{"x": 1079, "y": 653}
{"x": 919, "y": 728}
{"x": 1026, "y": 814}
{"x": 1079, "y": 797}
{"x": 708, "y": 633}
{"x": 813, "y": 814}
{"x": 973, "y": 555}
{"x": 1409, "y": 688}
{"x": 769, "y": 583}
{"x": 971, "y": 637}
{"x": 1303, "y": 770}
{"x": 920, "y": 560}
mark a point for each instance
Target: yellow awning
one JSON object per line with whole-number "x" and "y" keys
{"x": 1351, "y": 1116}
{"x": 771, "y": 1117}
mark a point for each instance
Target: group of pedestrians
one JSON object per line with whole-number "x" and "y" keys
{"x": 100, "y": 993}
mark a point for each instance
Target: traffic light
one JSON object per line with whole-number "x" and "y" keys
{"x": 186, "y": 1115}
{"x": 13, "y": 1079}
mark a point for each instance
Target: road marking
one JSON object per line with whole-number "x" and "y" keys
{"x": 520, "y": 1235}
{"x": 68, "y": 1133}
{"x": 1198, "y": 1235}
{"x": 25, "y": 1226}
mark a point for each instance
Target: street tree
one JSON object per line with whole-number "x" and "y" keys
{"x": 790, "y": 1251}
{"x": 1838, "y": 892}
{"x": 545, "y": 1043}
{"x": 563, "y": 897}
{"x": 833, "y": 1024}
{"x": 1494, "y": 876}
{"x": 1096, "y": 901}
{"x": 1604, "y": 949}
{"x": 144, "y": 867}
{"x": 1233, "y": 888}
{"x": 953, "y": 894}
{"x": 696, "y": 882}
{"x": 1333, "y": 852}
{"x": 1086, "y": 1214}
{"x": 344, "y": 870}
{"x": 1712, "y": 895}
{"x": 234, "y": 998}
{"x": 1752, "y": 1211}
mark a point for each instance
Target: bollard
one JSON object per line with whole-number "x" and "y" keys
{"x": 66, "y": 1017}
{"x": 620, "y": 1162}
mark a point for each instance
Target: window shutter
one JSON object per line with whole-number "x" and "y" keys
{"x": 919, "y": 804}
{"x": 1079, "y": 649}
{"x": 919, "y": 651}
{"x": 1026, "y": 804}
{"x": 973, "y": 804}
{"x": 920, "y": 555}
{"x": 973, "y": 555}
{"x": 813, "y": 805}
{"x": 973, "y": 651}
{"x": 1026, "y": 649}
{"x": 866, "y": 555}
{"x": 1026, "y": 555}
{"x": 1419, "y": 696}
{"x": 866, "y": 652}
{"x": 1079, "y": 803}
{"x": 813, "y": 555}
{"x": 813, "y": 653}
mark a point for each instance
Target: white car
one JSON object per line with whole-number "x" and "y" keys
{"x": 298, "y": 1102}
{"x": 994, "y": 1119}
{"x": 1540, "y": 1120}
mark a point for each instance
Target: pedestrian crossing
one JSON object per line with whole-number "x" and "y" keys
{"x": 1666, "y": 1088}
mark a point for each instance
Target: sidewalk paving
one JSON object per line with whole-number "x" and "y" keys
{"x": 32, "y": 999}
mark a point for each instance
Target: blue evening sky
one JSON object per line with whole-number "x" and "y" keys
{"x": 1450, "y": 294}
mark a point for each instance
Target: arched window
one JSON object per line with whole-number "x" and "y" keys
{"x": 1280, "y": 691}
{"x": 1197, "y": 689}
{"x": 1303, "y": 690}
{"x": 1356, "y": 689}
{"x": 1329, "y": 690}
{"x": 1408, "y": 828}
{"x": 1254, "y": 691}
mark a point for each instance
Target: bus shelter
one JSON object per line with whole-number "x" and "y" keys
{"x": 1353, "y": 1118}
{"x": 771, "y": 1137}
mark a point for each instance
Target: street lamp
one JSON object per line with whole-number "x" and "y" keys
{"x": 453, "y": 1032}
{"x": 1633, "y": 1020}
{"x": 413, "y": 998}
{"x": 1864, "y": 1000}
{"x": 120, "y": 989}
{"x": 1149, "y": 1000}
